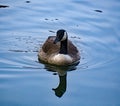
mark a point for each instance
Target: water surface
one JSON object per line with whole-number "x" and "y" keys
{"x": 93, "y": 26}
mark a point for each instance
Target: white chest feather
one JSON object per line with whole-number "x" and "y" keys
{"x": 61, "y": 59}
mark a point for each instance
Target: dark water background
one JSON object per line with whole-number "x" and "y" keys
{"x": 92, "y": 25}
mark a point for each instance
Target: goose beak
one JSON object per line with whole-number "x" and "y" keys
{"x": 56, "y": 40}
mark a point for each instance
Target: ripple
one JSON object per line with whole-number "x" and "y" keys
{"x": 94, "y": 28}
{"x": 88, "y": 30}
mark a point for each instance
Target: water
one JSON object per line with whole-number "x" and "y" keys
{"x": 93, "y": 26}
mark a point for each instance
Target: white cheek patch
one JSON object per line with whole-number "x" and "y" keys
{"x": 65, "y": 36}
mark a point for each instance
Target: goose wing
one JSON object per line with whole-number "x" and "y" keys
{"x": 49, "y": 47}
{"x": 73, "y": 51}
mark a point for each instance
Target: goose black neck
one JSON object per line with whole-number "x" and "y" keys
{"x": 63, "y": 47}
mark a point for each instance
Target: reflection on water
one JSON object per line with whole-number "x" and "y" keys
{"x": 3, "y": 6}
{"x": 60, "y": 90}
{"x": 62, "y": 74}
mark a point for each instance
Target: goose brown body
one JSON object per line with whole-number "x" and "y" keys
{"x": 49, "y": 53}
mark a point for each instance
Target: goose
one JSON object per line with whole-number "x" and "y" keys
{"x": 58, "y": 50}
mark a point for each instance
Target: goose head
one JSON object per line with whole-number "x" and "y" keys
{"x": 61, "y": 35}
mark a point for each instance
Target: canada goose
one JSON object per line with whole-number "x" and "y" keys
{"x": 58, "y": 50}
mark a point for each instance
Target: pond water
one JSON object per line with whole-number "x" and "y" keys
{"x": 93, "y": 26}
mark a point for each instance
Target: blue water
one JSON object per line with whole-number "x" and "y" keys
{"x": 93, "y": 26}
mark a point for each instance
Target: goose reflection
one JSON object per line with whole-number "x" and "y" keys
{"x": 62, "y": 74}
